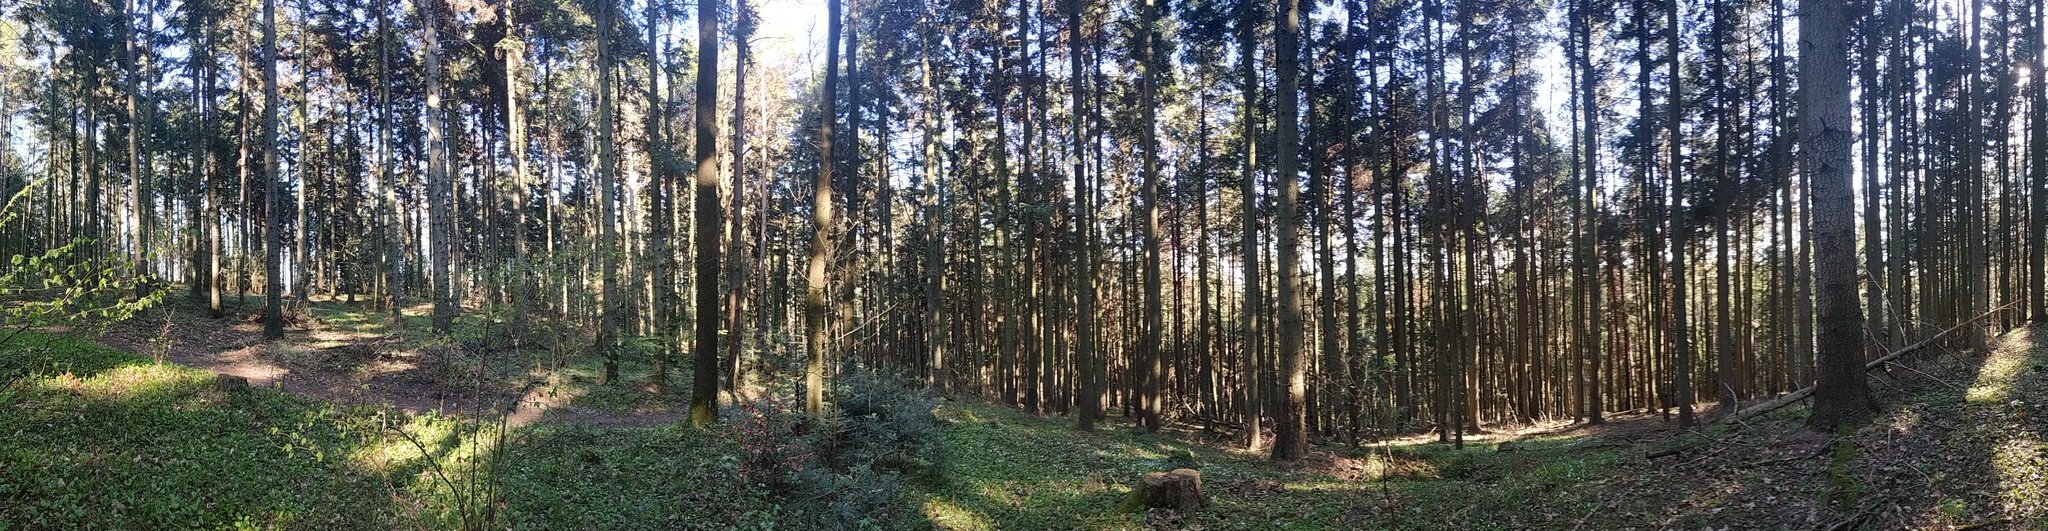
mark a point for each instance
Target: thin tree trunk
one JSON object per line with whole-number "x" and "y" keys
{"x": 821, "y": 209}
{"x": 273, "y": 309}
{"x": 736, "y": 268}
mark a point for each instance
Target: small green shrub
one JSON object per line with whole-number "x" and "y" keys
{"x": 885, "y": 424}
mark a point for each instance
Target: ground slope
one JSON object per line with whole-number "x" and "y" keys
{"x": 94, "y": 437}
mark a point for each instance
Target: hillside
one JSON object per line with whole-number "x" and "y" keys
{"x": 98, "y": 437}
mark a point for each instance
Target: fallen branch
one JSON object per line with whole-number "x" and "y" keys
{"x": 1795, "y": 396}
{"x": 1668, "y": 452}
{"x": 1928, "y": 376}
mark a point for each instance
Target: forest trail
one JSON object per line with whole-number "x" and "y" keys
{"x": 348, "y": 358}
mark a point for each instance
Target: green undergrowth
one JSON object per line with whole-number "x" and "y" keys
{"x": 1019, "y": 471}
{"x": 92, "y": 437}
{"x": 96, "y": 438}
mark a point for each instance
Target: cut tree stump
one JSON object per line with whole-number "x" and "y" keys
{"x": 230, "y": 383}
{"x": 1180, "y": 490}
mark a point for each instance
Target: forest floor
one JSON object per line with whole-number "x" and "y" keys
{"x": 340, "y": 352}
{"x": 353, "y": 425}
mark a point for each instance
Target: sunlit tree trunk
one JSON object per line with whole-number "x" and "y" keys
{"x": 704, "y": 381}
{"x": 821, "y": 235}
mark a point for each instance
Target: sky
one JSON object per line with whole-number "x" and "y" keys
{"x": 789, "y": 32}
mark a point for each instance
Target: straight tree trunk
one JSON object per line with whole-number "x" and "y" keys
{"x": 137, "y": 173}
{"x": 610, "y": 303}
{"x": 1841, "y": 396}
{"x": 438, "y": 188}
{"x": 1591, "y": 403}
{"x": 1681, "y": 337}
{"x": 1290, "y": 433}
{"x": 704, "y": 384}
{"x": 394, "y": 239}
{"x": 1091, "y": 373}
{"x": 736, "y": 268}
{"x": 658, "y": 194}
{"x": 1149, "y": 349}
{"x": 273, "y": 305}
{"x": 2037, "y": 174}
{"x": 821, "y": 235}
{"x": 1249, "y": 369}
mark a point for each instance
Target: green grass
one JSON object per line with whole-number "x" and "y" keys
{"x": 100, "y": 438}
{"x": 1017, "y": 471}
{"x": 97, "y": 438}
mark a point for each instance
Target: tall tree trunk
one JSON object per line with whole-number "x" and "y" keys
{"x": 2037, "y": 173}
{"x": 736, "y": 245}
{"x": 138, "y": 175}
{"x": 610, "y": 301}
{"x": 210, "y": 220}
{"x": 704, "y": 384}
{"x": 394, "y": 223}
{"x": 1724, "y": 210}
{"x": 1150, "y": 353}
{"x": 513, "y": 49}
{"x": 1591, "y": 403}
{"x": 1091, "y": 372}
{"x": 1841, "y": 396}
{"x": 658, "y": 195}
{"x": 821, "y": 236}
{"x": 1681, "y": 229}
{"x": 1290, "y": 432}
{"x": 273, "y": 305}
{"x": 438, "y": 187}
{"x": 1249, "y": 368}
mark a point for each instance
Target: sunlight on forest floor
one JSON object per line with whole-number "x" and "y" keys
{"x": 113, "y": 439}
{"x": 2003, "y": 393}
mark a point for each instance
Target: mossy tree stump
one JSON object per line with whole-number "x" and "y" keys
{"x": 1180, "y": 490}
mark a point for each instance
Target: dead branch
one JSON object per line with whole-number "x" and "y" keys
{"x": 1795, "y": 396}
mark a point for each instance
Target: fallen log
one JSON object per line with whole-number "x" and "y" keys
{"x": 1768, "y": 406}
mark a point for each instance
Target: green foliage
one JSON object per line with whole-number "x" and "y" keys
{"x": 885, "y": 424}
{"x": 59, "y": 288}
{"x": 99, "y": 438}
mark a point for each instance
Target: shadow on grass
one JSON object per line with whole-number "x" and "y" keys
{"x": 121, "y": 442}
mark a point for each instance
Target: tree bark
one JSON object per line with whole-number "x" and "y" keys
{"x": 821, "y": 235}
{"x": 1290, "y": 433}
{"x": 273, "y": 309}
{"x": 704, "y": 380}
{"x": 1840, "y": 396}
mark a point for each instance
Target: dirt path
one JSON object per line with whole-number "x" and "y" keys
{"x": 319, "y": 362}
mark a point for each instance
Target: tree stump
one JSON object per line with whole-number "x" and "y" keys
{"x": 1180, "y": 490}
{"x": 230, "y": 383}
